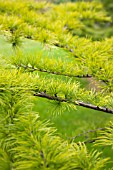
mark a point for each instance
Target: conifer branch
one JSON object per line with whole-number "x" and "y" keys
{"x": 78, "y": 103}
{"x": 32, "y": 69}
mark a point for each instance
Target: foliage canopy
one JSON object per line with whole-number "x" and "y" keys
{"x": 25, "y": 141}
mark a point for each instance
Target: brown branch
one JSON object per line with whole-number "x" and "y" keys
{"x": 79, "y": 103}
{"x": 59, "y": 73}
{"x": 107, "y": 110}
{"x": 53, "y": 72}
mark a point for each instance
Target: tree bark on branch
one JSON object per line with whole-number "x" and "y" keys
{"x": 78, "y": 103}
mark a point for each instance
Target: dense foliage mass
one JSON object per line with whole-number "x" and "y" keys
{"x": 26, "y": 143}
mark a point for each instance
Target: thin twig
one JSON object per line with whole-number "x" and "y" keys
{"x": 90, "y": 141}
{"x": 87, "y": 132}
